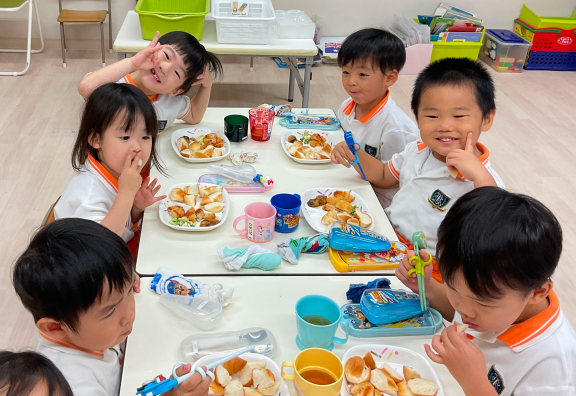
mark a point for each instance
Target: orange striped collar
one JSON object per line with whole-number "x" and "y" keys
{"x": 348, "y": 109}
{"x": 128, "y": 80}
{"x": 65, "y": 343}
{"x": 484, "y": 155}
{"x": 102, "y": 172}
{"x": 522, "y": 335}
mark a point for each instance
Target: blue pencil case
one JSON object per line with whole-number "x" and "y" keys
{"x": 323, "y": 123}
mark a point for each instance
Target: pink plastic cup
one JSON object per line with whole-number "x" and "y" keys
{"x": 261, "y": 121}
{"x": 259, "y": 220}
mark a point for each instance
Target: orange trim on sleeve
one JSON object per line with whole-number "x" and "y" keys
{"x": 98, "y": 167}
{"x": 435, "y": 271}
{"x": 187, "y": 111}
{"x": 128, "y": 79}
{"x": 67, "y": 344}
{"x": 393, "y": 170}
{"x": 524, "y": 332}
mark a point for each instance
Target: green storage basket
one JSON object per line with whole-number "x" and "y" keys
{"x": 539, "y": 22}
{"x": 172, "y": 15}
{"x": 441, "y": 50}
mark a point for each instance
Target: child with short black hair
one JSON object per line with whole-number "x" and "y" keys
{"x": 30, "y": 374}
{"x": 453, "y": 100}
{"x": 497, "y": 252}
{"x": 165, "y": 71}
{"x": 76, "y": 278}
{"x": 370, "y": 60}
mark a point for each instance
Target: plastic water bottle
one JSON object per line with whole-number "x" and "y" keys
{"x": 242, "y": 173}
{"x": 203, "y": 313}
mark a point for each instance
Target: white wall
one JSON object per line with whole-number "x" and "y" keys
{"x": 338, "y": 17}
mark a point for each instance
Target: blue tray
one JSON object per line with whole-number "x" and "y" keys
{"x": 298, "y": 122}
{"x": 426, "y": 323}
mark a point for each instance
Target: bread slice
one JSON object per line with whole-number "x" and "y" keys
{"x": 234, "y": 388}
{"x": 251, "y": 392}
{"x": 329, "y": 217}
{"x": 191, "y": 190}
{"x": 245, "y": 375}
{"x": 410, "y": 373}
{"x": 215, "y": 389}
{"x": 216, "y": 197}
{"x": 423, "y": 387}
{"x": 271, "y": 391}
{"x": 403, "y": 389}
{"x": 453, "y": 172}
{"x": 214, "y": 207}
{"x": 194, "y": 147}
{"x": 199, "y": 154}
{"x": 363, "y": 389}
{"x": 343, "y": 217}
{"x": 182, "y": 143}
{"x": 234, "y": 365}
{"x": 222, "y": 376}
{"x": 369, "y": 360}
{"x": 353, "y": 221}
{"x": 299, "y": 153}
{"x": 190, "y": 200}
{"x": 177, "y": 194}
{"x": 356, "y": 370}
{"x": 186, "y": 153}
{"x": 392, "y": 373}
{"x": 363, "y": 218}
{"x": 257, "y": 364}
{"x": 460, "y": 328}
{"x": 218, "y": 152}
{"x": 383, "y": 382}
{"x": 262, "y": 379}
{"x": 324, "y": 155}
{"x": 328, "y": 149}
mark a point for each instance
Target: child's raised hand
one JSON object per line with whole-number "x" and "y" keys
{"x": 145, "y": 195}
{"x": 146, "y": 59}
{"x": 341, "y": 154}
{"x": 466, "y": 162}
{"x": 411, "y": 282}
{"x": 205, "y": 78}
{"x": 130, "y": 180}
{"x": 193, "y": 386}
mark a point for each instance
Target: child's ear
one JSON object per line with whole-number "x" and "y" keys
{"x": 391, "y": 77}
{"x": 540, "y": 294}
{"x": 51, "y": 328}
{"x": 488, "y": 120}
{"x": 94, "y": 140}
{"x": 176, "y": 92}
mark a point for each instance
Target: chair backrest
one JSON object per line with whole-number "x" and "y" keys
{"x": 49, "y": 218}
{"x": 109, "y": 10}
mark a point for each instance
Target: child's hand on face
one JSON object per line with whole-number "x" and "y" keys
{"x": 146, "y": 58}
{"x": 466, "y": 162}
{"x": 130, "y": 180}
{"x": 205, "y": 78}
{"x": 341, "y": 154}
{"x": 145, "y": 195}
{"x": 462, "y": 358}
{"x": 412, "y": 281}
{"x": 193, "y": 386}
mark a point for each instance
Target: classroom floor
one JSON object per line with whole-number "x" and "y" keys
{"x": 532, "y": 143}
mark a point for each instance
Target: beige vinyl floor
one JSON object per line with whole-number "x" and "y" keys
{"x": 532, "y": 143}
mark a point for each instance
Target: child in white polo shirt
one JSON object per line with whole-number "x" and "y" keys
{"x": 453, "y": 100}
{"x": 497, "y": 252}
{"x": 165, "y": 71}
{"x": 77, "y": 280}
{"x": 370, "y": 60}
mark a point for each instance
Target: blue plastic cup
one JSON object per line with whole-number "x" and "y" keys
{"x": 287, "y": 211}
{"x": 318, "y": 336}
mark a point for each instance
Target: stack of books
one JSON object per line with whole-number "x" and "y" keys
{"x": 451, "y": 24}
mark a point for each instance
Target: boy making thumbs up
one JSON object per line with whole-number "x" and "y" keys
{"x": 453, "y": 101}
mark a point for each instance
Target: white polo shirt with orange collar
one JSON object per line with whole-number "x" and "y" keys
{"x": 533, "y": 358}
{"x": 90, "y": 196}
{"x": 383, "y": 132}
{"x": 427, "y": 191}
{"x": 168, "y": 108}
{"x": 88, "y": 372}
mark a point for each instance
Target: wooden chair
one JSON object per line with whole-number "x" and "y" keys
{"x": 75, "y": 16}
{"x": 49, "y": 217}
{"x": 13, "y": 6}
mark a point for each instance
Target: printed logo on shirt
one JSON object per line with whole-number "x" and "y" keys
{"x": 496, "y": 380}
{"x": 373, "y": 151}
{"x": 439, "y": 200}
{"x": 162, "y": 125}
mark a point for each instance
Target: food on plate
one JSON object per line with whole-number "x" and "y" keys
{"x": 195, "y": 215}
{"x": 176, "y": 211}
{"x": 345, "y": 195}
{"x": 244, "y": 378}
{"x": 320, "y": 200}
{"x": 202, "y": 146}
{"x": 201, "y": 211}
{"x": 234, "y": 388}
{"x": 190, "y": 199}
{"x": 215, "y": 197}
{"x": 222, "y": 376}
{"x": 208, "y": 190}
{"x": 251, "y": 392}
{"x": 364, "y": 220}
{"x": 329, "y": 217}
{"x": 309, "y": 146}
{"x": 177, "y": 194}
{"x": 365, "y": 378}
{"x": 215, "y": 389}
{"x": 340, "y": 208}
{"x": 214, "y": 207}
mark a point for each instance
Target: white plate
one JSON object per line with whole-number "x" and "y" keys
{"x": 314, "y": 215}
{"x": 395, "y": 357}
{"x": 331, "y": 140}
{"x": 166, "y": 202}
{"x": 270, "y": 365}
{"x": 195, "y": 132}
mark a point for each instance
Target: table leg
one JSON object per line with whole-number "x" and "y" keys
{"x": 307, "y": 79}
{"x": 251, "y": 63}
{"x": 291, "y": 81}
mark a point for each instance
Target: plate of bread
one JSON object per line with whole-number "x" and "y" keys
{"x": 308, "y": 147}
{"x": 374, "y": 369}
{"x": 194, "y": 207}
{"x": 249, "y": 374}
{"x": 200, "y": 144}
{"x": 324, "y": 206}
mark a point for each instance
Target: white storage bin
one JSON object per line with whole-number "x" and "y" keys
{"x": 293, "y": 24}
{"x": 253, "y": 28}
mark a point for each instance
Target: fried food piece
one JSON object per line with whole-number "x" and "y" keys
{"x": 209, "y": 223}
{"x": 344, "y": 205}
{"x": 320, "y": 200}
{"x": 291, "y": 139}
{"x": 176, "y": 211}
{"x": 345, "y": 195}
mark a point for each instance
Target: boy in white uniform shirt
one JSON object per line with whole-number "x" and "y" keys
{"x": 77, "y": 279}
{"x": 497, "y": 252}
{"x": 370, "y": 60}
{"x": 453, "y": 100}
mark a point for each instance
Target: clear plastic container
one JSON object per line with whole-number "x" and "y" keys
{"x": 199, "y": 345}
{"x": 293, "y": 24}
{"x": 254, "y": 28}
{"x": 204, "y": 314}
{"x": 504, "y": 51}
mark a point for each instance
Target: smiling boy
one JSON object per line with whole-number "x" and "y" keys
{"x": 453, "y": 101}
{"x": 370, "y": 60}
{"x": 165, "y": 71}
{"x": 497, "y": 252}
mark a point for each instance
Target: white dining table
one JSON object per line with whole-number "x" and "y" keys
{"x": 130, "y": 41}
{"x": 154, "y": 345}
{"x": 195, "y": 253}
